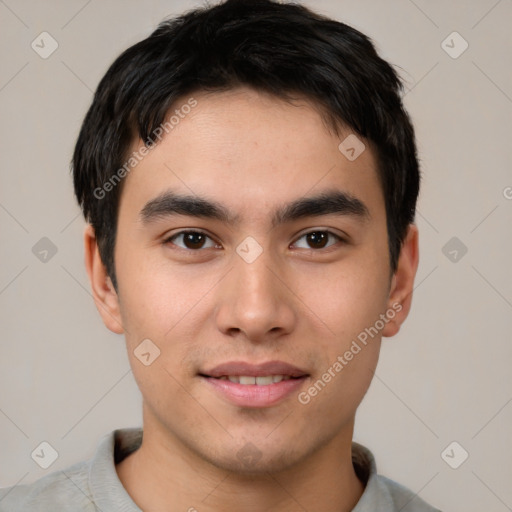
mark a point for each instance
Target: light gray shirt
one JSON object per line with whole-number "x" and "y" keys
{"x": 93, "y": 486}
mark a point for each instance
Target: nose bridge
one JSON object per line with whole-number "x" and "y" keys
{"x": 254, "y": 300}
{"x": 255, "y": 276}
{"x": 254, "y": 281}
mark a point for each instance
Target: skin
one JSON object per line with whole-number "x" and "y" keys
{"x": 296, "y": 303}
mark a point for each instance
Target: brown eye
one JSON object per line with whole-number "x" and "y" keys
{"x": 193, "y": 240}
{"x": 318, "y": 239}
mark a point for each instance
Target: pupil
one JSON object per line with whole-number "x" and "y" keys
{"x": 317, "y": 238}
{"x": 194, "y": 240}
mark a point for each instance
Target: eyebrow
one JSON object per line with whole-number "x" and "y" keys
{"x": 330, "y": 202}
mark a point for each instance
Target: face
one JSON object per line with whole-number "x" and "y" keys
{"x": 278, "y": 254}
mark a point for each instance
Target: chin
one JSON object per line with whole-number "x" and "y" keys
{"x": 249, "y": 460}
{"x": 255, "y": 468}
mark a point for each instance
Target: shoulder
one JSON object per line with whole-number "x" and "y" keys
{"x": 402, "y": 498}
{"x": 86, "y": 486}
{"x": 54, "y": 492}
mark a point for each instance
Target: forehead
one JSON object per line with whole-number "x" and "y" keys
{"x": 251, "y": 150}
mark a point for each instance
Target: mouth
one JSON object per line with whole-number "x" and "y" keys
{"x": 249, "y": 385}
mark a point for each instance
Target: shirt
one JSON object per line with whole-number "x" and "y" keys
{"x": 92, "y": 486}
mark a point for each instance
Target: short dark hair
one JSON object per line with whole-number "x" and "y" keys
{"x": 283, "y": 49}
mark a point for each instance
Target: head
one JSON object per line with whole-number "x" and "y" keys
{"x": 228, "y": 121}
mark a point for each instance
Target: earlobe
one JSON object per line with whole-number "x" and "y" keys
{"x": 402, "y": 282}
{"x": 103, "y": 291}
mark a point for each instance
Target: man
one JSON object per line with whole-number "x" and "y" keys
{"x": 249, "y": 178}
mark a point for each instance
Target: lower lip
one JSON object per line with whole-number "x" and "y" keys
{"x": 254, "y": 395}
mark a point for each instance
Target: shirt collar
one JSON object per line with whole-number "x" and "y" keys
{"x": 376, "y": 495}
{"x": 109, "y": 494}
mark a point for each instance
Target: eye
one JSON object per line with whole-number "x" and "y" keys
{"x": 196, "y": 240}
{"x": 191, "y": 240}
{"x": 318, "y": 239}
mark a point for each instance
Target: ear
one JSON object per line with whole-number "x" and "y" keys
{"x": 402, "y": 283}
{"x": 103, "y": 291}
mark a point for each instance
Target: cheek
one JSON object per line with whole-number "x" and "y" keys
{"x": 167, "y": 304}
{"x": 346, "y": 297}
{"x": 347, "y": 304}
{"x": 156, "y": 295}
{"x": 159, "y": 305}
{"x": 334, "y": 395}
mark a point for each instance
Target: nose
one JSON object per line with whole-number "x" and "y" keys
{"x": 255, "y": 301}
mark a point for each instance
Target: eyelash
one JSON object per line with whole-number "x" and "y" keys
{"x": 196, "y": 231}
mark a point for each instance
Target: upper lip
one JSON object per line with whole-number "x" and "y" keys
{"x": 254, "y": 370}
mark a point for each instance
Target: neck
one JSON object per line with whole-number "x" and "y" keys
{"x": 165, "y": 474}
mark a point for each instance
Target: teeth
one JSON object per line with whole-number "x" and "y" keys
{"x": 260, "y": 381}
{"x": 264, "y": 381}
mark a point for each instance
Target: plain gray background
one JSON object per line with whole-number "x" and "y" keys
{"x": 65, "y": 379}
